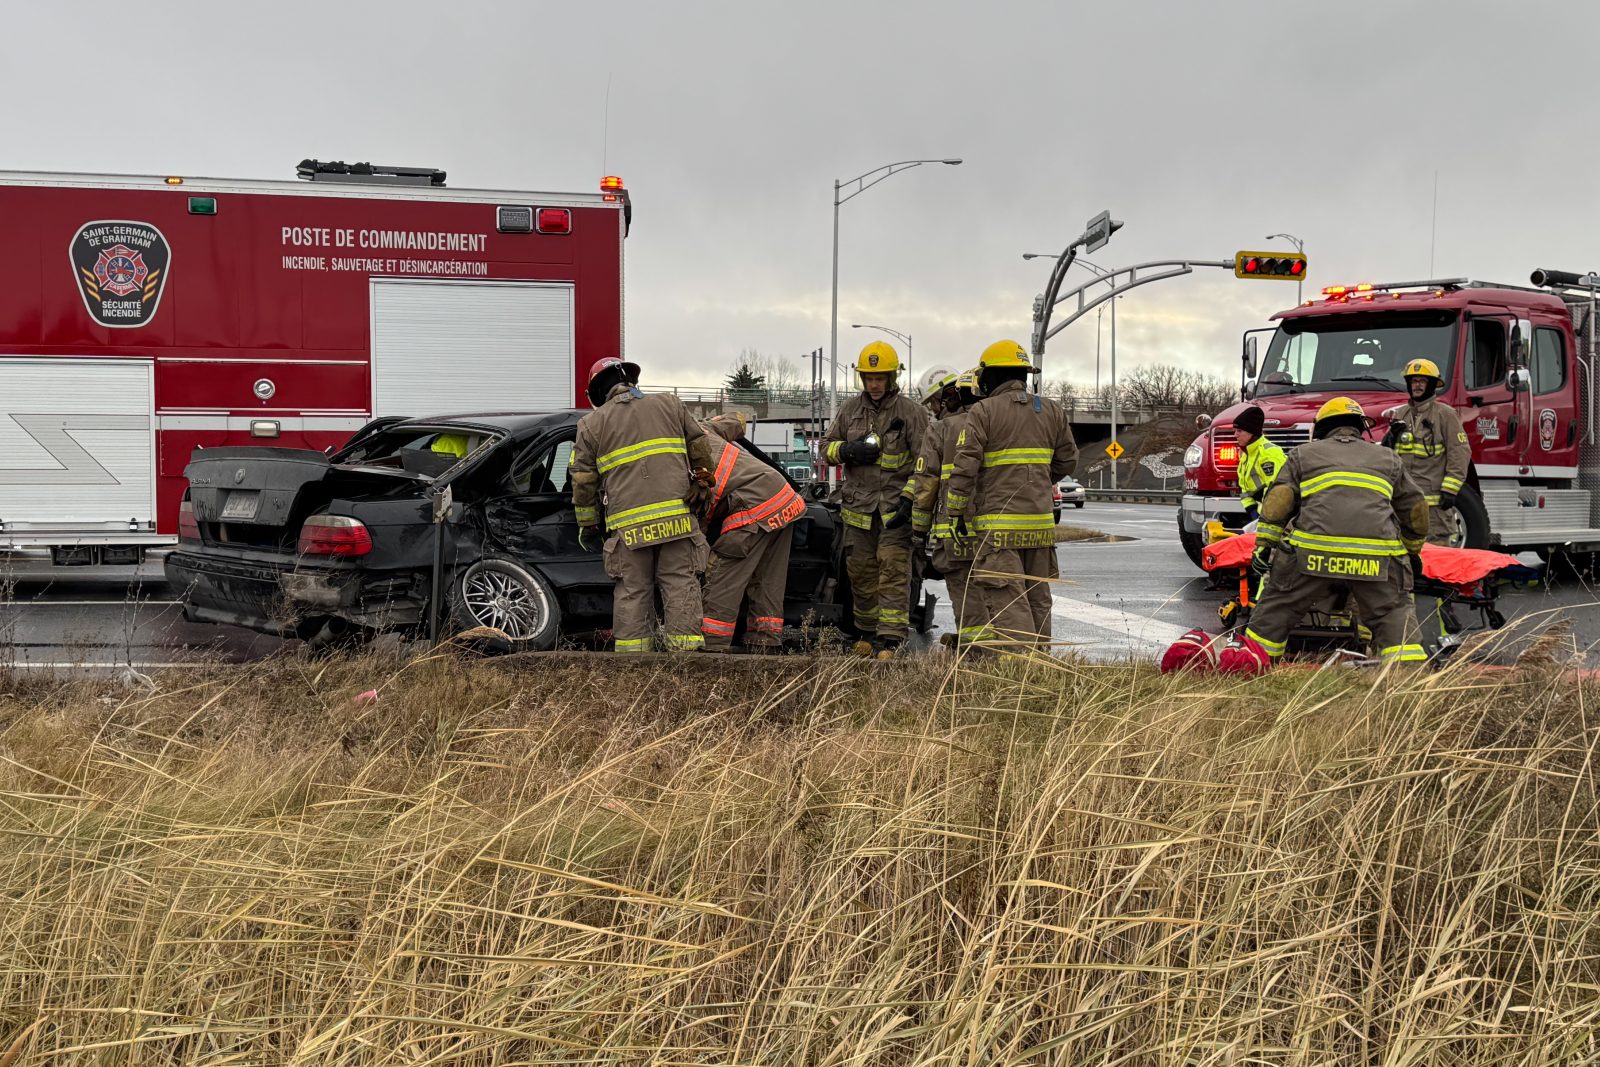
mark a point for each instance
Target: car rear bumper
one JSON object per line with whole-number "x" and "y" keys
{"x": 288, "y": 599}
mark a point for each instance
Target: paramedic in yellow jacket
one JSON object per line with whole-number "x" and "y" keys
{"x": 877, "y": 436}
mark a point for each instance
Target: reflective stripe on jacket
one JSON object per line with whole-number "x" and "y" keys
{"x": 747, "y": 491}
{"x": 930, "y": 508}
{"x": 1013, "y": 450}
{"x": 1345, "y": 505}
{"x": 1260, "y": 464}
{"x": 875, "y": 489}
{"x": 636, "y": 449}
{"x": 1437, "y": 454}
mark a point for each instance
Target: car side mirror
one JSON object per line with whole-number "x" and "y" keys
{"x": 1518, "y": 380}
{"x": 1250, "y": 356}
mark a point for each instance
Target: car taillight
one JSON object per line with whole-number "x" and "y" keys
{"x": 188, "y": 528}
{"x": 334, "y": 535}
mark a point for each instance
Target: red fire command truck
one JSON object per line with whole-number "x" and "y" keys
{"x": 1518, "y": 365}
{"x": 145, "y": 317}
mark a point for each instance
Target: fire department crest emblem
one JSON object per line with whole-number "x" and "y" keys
{"x": 121, "y": 268}
{"x": 1547, "y": 429}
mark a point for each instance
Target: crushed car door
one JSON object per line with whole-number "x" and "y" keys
{"x": 534, "y": 521}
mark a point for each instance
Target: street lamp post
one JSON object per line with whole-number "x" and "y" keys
{"x": 1116, "y": 400}
{"x": 862, "y": 183}
{"x": 1300, "y": 247}
{"x": 904, "y": 338}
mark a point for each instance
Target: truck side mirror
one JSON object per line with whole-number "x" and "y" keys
{"x": 1201, "y": 421}
{"x": 1248, "y": 391}
{"x": 1250, "y": 356}
{"x": 1521, "y": 340}
{"x": 1518, "y": 380}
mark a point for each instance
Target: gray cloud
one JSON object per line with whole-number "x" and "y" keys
{"x": 1204, "y": 125}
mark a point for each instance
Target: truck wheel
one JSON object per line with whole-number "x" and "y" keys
{"x": 508, "y": 597}
{"x": 1472, "y": 519}
{"x": 1191, "y": 542}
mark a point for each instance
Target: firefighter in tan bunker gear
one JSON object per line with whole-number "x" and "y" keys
{"x": 877, "y": 436}
{"x": 1009, "y": 456}
{"x": 1343, "y": 514}
{"x": 1432, "y": 446}
{"x": 638, "y": 451}
{"x": 755, "y": 508}
{"x": 952, "y": 555}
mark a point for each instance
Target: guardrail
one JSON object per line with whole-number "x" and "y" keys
{"x": 1136, "y": 496}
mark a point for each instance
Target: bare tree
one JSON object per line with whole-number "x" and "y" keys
{"x": 1163, "y": 385}
{"x": 780, "y": 374}
{"x": 1061, "y": 391}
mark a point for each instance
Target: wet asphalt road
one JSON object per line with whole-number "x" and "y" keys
{"x": 1116, "y": 599}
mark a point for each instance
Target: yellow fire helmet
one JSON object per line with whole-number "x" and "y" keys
{"x": 878, "y": 358}
{"x": 1423, "y": 368}
{"x": 1343, "y": 411}
{"x": 968, "y": 380}
{"x": 1340, "y": 405}
{"x": 1004, "y": 354}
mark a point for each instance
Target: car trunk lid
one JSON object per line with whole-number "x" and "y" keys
{"x": 260, "y": 496}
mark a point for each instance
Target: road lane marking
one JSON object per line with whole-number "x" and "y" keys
{"x": 1127, "y": 624}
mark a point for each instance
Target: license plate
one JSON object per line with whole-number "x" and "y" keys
{"x": 241, "y": 505}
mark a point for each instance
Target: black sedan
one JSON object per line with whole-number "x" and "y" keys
{"x": 472, "y": 513}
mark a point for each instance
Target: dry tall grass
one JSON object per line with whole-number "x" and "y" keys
{"x": 805, "y": 863}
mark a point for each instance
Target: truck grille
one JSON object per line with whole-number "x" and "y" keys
{"x": 1285, "y": 437}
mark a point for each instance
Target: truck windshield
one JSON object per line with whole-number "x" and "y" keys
{"x": 1352, "y": 352}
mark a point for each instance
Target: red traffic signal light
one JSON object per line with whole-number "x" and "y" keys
{"x": 1289, "y": 266}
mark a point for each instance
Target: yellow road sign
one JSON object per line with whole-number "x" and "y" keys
{"x": 1115, "y": 450}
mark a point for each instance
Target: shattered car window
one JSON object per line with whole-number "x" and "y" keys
{"x": 420, "y": 450}
{"x": 544, "y": 471}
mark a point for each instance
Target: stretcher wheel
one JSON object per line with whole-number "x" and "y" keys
{"x": 1494, "y": 618}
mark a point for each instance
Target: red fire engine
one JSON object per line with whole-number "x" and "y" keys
{"x": 1518, "y": 365}
{"x": 146, "y": 317}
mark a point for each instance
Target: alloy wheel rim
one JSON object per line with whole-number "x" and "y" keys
{"x": 499, "y": 600}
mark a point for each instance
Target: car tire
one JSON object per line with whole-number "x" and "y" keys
{"x": 507, "y": 596}
{"x": 1192, "y": 544}
{"x": 1077, "y": 503}
{"x": 1058, "y": 516}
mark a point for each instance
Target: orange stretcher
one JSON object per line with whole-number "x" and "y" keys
{"x": 1468, "y": 577}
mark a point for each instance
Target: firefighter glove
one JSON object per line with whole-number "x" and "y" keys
{"x": 861, "y": 453}
{"x": 959, "y": 524}
{"x": 1393, "y": 436}
{"x": 902, "y": 514}
{"x": 1251, "y": 514}
{"x": 1261, "y": 562}
{"x": 1447, "y": 500}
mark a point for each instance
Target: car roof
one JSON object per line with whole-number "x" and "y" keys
{"x": 510, "y": 422}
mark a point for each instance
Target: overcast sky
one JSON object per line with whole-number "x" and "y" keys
{"x": 1203, "y": 125}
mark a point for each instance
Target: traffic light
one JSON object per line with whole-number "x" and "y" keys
{"x": 1283, "y": 266}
